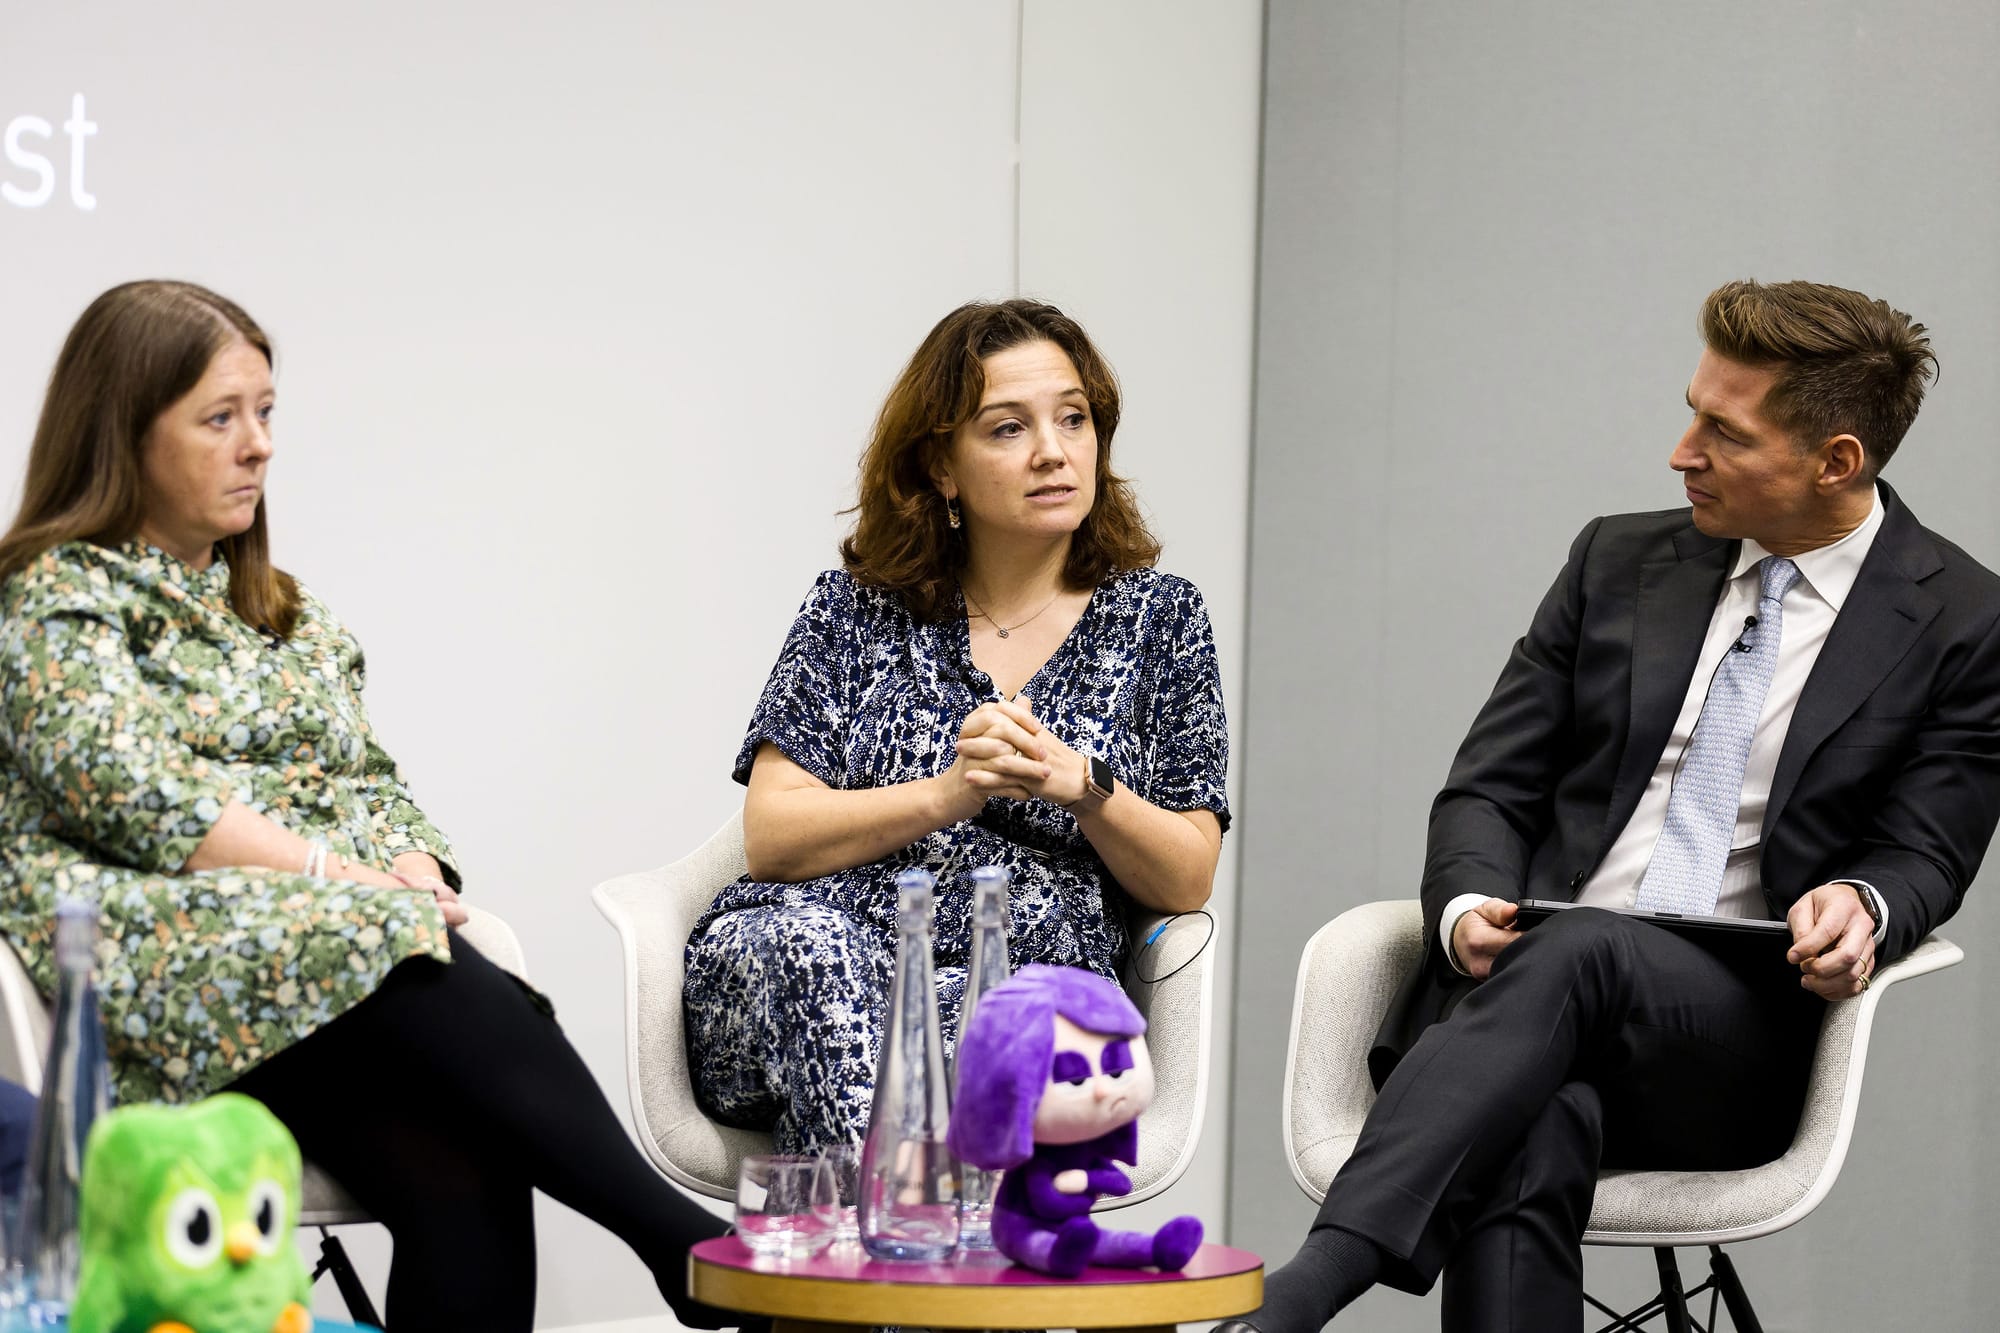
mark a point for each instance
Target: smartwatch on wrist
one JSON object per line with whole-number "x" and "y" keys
{"x": 1098, "y": 783}
{"x": 1871, "y": 903}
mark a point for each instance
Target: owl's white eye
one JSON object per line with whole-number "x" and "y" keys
{"x": 267, "y": 1210}
{"x": 194, "y": 1229}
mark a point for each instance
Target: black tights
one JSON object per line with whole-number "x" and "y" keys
{"x": 441, "y": 1102}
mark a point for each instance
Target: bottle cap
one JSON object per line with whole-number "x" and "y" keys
{"x": 989, "y": 894}
{"x": 76, "y": 932}
{"x": 913, "y": 895}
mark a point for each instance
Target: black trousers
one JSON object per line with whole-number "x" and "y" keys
{"x": 441, "y": 1103}
{"x": 1597, "y": 1041}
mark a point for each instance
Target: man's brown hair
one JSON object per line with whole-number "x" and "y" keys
{"x": 902, "y": 539}
{"x": 137, "y": 350}
{"x": 1845, "y": 364}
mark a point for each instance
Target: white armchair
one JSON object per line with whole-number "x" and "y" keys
{"x": 1351, "y": 970}
{"x": 654, "y": 912}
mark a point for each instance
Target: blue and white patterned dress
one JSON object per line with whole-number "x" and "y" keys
{"x": 787, "y": 983}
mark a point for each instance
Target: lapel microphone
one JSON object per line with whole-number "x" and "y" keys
{"x": 1749, "y": 623}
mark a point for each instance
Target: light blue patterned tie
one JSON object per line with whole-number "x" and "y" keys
{"x": 1685, "y": 874}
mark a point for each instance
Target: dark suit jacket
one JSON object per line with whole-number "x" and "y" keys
{"x": 1890, "y": 772}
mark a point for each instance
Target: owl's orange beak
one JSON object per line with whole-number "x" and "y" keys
{"x": 241, "y": 1242}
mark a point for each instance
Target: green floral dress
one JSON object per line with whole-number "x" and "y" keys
{"x": 135, "y": 705}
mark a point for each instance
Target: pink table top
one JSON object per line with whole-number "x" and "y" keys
{"x": 849, "y": 1263}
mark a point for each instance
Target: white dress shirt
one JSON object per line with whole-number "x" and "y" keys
{"x": 1827, "y": 575}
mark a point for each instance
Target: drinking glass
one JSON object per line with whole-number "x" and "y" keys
{"x": 845, "y": 1164}
{"x": 785, "y": 1205}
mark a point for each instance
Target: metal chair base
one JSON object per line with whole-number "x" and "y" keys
{"x": 1723, "y": 1288}
{"x": 333, "y": 1260}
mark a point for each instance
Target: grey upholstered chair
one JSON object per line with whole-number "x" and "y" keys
{"x": 24, "y": 1040}
{"x": 1352, "y": 968}
{"x": 655, "y": 911}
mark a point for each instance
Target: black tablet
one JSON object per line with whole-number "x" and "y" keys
{"x": 1736, "y": 931}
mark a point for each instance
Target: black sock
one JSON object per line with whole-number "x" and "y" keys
{"x": 1322, "y": 1279}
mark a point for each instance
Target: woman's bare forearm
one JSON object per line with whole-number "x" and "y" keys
{"x": 242, "y": 837}
{"x": 793, "y": 833}
{"x": 1164, "y": 859}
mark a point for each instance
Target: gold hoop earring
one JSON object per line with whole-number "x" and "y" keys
{"x": 951, "y": 513}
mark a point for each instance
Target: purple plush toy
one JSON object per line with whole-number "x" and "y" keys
{"x": 1052, "y": 1076}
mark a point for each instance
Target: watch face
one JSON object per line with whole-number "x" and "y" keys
{"x": 1102, "y": 779}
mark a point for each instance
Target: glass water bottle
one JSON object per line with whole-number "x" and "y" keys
{"x": 909, "y": 1181}
{"x": 988, "y": 969}
{"x": 74, "y": 1093}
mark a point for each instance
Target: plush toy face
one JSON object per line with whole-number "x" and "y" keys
{"x": 1097, "y": 1082}
{"x": 188, "y": 1216}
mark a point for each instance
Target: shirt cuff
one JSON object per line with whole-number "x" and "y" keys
{"x": 1874, "y": 895}
{"x": 1453, "y": 910}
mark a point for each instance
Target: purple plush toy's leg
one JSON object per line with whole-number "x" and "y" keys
{"x": 1123, "y": 1249}
{"x": 1167, "y": 1249}
{"x": 1075, "y": 1240}
{"x": 1061, "y": 1252}
{"x": 1175, "y": 1243}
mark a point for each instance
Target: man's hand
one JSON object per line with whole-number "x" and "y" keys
{"x": 1480, "y": 935}
{"x": 1833, "y": 941}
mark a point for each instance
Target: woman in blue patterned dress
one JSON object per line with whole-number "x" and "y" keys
{"x": 997, "y": 676}
{"x": 183, "y": 743}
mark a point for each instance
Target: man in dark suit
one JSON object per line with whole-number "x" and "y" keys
{"x": 1780, "y": 702}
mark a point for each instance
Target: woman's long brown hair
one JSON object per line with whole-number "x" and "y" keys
{"x": 902, "y": 539}
{"x": 136, "y": 351}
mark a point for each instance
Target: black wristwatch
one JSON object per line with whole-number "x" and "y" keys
{"x": 1870, "y": 903}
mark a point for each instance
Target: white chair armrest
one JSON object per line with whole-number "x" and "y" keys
{"x": 1177, "y": 1008}
{"x": 654, "y": 912}
{"x": 1349, "y": 972}
{"x": 24, "y": 1023}
{"x": 495, "y": 939}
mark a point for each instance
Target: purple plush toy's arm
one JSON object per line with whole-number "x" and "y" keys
{"x": 1106, "y": 1178}
{"x": 1038, "y": 1183}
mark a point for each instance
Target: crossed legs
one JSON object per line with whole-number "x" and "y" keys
{"x": 1598, "y": 1041}
{"x": 441, "y": 1102}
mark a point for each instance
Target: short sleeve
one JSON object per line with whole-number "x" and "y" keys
{"x": 807, "y": 704}
{"x": 94, "y": 738}
{"x": 1188, "y": 741}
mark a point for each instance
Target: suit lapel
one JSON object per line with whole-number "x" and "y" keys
{"x": 1670, "y": 615}
{"x": 1883, "y": 615}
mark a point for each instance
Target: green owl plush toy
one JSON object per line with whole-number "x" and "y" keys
{"x": 187, "y": 1221}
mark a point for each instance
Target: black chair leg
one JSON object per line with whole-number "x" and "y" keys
{"x": 1723, "y": 1274}
{"x": 333, "y": 1260}
{"x": 1673, "y": 1301}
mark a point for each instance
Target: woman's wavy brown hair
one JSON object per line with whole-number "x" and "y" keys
{"x": 902, "y": 540}
{"x": 135, "y": 352}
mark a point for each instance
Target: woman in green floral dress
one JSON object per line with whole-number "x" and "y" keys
{"x": 183, "y": 743}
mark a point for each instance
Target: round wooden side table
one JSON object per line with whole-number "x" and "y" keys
{"x": 844, "y": 1289}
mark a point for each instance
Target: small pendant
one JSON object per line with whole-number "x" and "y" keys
{"x": 1003, "y": 633}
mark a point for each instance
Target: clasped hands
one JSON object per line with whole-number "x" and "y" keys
{"x": 1005, "y": 751}
{"x": 1833, "y": 939}
{"x": 417, "y": 871}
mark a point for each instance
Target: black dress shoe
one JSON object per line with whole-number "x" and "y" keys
{"x": 1237, "y": 1326}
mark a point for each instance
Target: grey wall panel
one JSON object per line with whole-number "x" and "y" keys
{"x": 1486, "y": 232}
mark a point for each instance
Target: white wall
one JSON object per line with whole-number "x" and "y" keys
{"x": 582, "y": 315}
{"x": 1140, "y": 123}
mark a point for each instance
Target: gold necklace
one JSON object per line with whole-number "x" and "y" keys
{"x": 1005, "y": 630}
